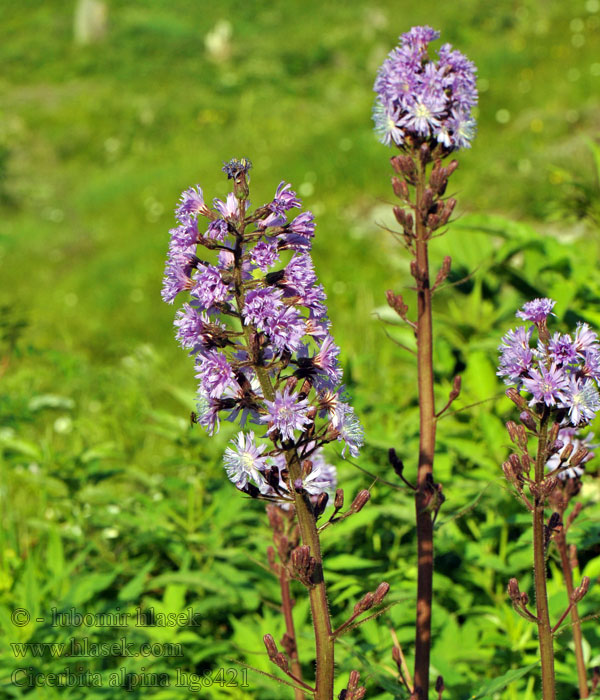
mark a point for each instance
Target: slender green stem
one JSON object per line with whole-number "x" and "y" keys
{"x": 561, "y": 542}
{"x": 426, "y": 450}
{"x": 539, "y": 557}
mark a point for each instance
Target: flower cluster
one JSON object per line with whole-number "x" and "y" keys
{"x": 257, "y": 325}
{"x": 560, "y": 372}
{"x": 424, "y": 100}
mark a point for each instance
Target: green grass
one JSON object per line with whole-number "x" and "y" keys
{"x": 107, "y": 497}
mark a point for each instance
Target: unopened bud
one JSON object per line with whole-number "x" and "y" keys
{"x": 516, "y": 398}
{"x": 365, "y": 603}
{"x": 400, "y": 188}
{"x": 426, "y": 201}
{"x": 360, "y": 501}
{"x": 433, "y": 222}
{"x": 513, "y": 590}
{"x": 451, "y": 167}
{"x": 447, "y": 211}
{"x": 380, "y": 592}
{"x": 439, "y": 684}
{"x": 281, "y": 661}
{"x": 397, "y": 303}
{"x": 548, "y": 485}
{"x": 444, "y": 271}
{"x": 581, "y": 590}
{"x": 395, "y": 461}
{"x": 553, "y": 432}
{"x": 397, "y": 656}
{"x": 527, "y": 419}
{"x": 321, "y": 504}
{"x": 524, "y": 598}
{"x": 307, "y": 467}
{"x": 456, "y": 384}
{"x": 424, "y": 154}
{"x": 338, "y": 502}
{"x": 272, "y": 650}
{"x": 511, "y": 427}
{"x": 580, "y": 454}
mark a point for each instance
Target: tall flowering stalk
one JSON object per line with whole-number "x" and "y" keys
{"x": 257, "y": 326}
{"x": 554, "y": 383}
{"x": 423, "y": 108}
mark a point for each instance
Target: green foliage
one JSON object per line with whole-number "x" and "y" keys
{"x": 109, "y": 500}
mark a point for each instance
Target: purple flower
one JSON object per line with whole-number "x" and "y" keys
{"x": 286, "y": 329}
{"x": 350, "y": 430}
{"x": 208, "y": 412}
{"x": 216, "y": 374}
{"x": 261, "y": 306}
{"x": 562, "y": 349}
{"x": 591, "y": 364}
{"x": 582, "y": 399}
{"x": 264, "y": 254}
{"x": 287, "y": 413}
{"x": 423, "y": 115}
{"x": 537, "y": 310}
{"x": 192, "y": 203}
{"x": 217, "y": 230}
{"x": 300, "y": 274}
{"x": 303, "y": 225}
{"x": 418, "y": 97}
{"x": 229, "y": 209}
{"x": 195, "y": 330}
{"x": 547, "y": 385}
{"x": 285, "y": 198}
{"x": 516, "y": 356}
{"x": 209, "y": 288}
{"x": 244, "y": 461}
{"x": 323, "y": 366}
{"x": 184, "y": 237}
{"x": 585, "y": 338}
{"x": 236, "y": 167}
{"x": 175, "y": 280}
{"x": 387, "y": 123}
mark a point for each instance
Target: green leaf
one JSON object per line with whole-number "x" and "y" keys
{"x": 503, "y": 681}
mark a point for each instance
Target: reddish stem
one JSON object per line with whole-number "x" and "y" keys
{"x": 426, "y": 451}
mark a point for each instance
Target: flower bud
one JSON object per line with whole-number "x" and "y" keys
{"x": 516, "y": 398}
{"x": 581, "y": 590}
{"x": 338, "y": 502}
{"x": 361, "y": 500}
{"x": 321, "y": 504}
{"x": 527, "y": 419}
{"x": 400, "y": 188}
{"x": 380, "y": 592}
{"x": 272, "y": 650}
{"x": 513, "y": 590}
{"x": 365, "y": 603}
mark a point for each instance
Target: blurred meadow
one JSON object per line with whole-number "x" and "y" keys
{"x": 109, "y": 500}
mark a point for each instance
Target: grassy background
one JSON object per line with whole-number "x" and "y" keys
{"x": 108, "y": 499}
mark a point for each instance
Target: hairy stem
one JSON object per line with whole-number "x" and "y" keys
{"x": 561, "y": 542}
{"x": 286, "y": 607}
{"x": 426, "y": 451}
{"x": 539, "y": 560}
